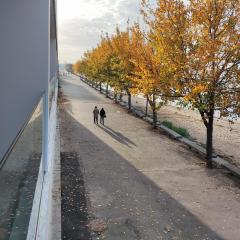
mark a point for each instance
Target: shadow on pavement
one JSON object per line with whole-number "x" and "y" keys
{"x": 74, "y": 203}
{"x": 117, "y": 136}
{"x": 121, "y": 136}
{"x": 132, "y": 205}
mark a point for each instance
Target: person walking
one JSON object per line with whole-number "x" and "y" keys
{"x": 102, "y": 116}
{"x": 95, "y": 115}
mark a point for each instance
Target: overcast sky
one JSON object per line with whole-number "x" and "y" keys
{"x": 80, "y": 23}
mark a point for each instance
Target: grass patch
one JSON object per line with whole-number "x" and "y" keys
{"x": 182, "y": 131}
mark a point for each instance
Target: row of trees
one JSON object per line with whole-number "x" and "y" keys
{"x": 190, "y": 52}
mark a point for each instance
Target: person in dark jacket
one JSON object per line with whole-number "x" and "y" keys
{"x": 102, "y": 116}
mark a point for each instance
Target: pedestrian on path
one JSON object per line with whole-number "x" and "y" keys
{"x": 102, "y": 116}
{"x": 95, "y": 115}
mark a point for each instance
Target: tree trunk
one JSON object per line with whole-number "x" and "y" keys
{"x": 120, "y": 97}
{"x": 107, "y": 90}
{"x": 146, "y": 110}
{"x": 129, "y": 101}
{"x": 210, "y": 139}
{"x": 115, "y": 97}
{"x": 154, "y": 113}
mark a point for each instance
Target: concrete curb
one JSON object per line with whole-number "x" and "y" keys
{"x": 192, "y": 145}
{"x": 230, "y": 167}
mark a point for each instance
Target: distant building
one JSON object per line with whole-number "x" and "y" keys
{"x": 28, "y": 93}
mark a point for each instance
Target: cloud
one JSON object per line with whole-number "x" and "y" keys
{"x": 81, "y": 30}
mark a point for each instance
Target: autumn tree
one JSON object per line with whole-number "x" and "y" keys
{"x": 81, "y": 66}
{"x": 114, "y": 68}
{"x": 201, "y": 44}
{"x": 149, "y": 71}
{"x": 102, "y": 65}
{"x": 84, "y": 66}
{"x": 122, "y": 45}
{"x": 212, "y": 72}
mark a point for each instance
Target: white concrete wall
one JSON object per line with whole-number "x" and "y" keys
{"x": 24, "y": 41}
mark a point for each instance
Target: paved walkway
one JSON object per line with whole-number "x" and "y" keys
{"x": 134, "y": 183}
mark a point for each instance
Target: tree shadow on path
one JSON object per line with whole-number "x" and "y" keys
{"x": 117, "y": 136}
